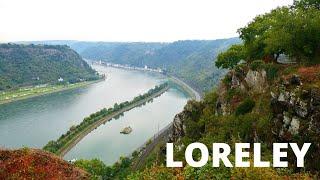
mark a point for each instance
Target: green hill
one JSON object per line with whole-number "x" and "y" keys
{"x": 190, "y": 60}
{"x": 24, "y": 65}
{"x": 262, "y": 99}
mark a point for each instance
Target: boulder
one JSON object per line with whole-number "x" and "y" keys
{"x": 295, "y": 80}
{"x": 257, "y": 80}
{"x": 294, "y": 126}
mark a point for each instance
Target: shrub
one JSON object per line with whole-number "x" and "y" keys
{"x": 245, "y": 107}
{"x": 95, "y": 167}
{"x": 240, "y": 69}
{"x": 231, "y": 93}
{"x": 227, "y": 80}
{"x": 54, "y": 146}
{"x": 256, "y": 65}
{"x": 272, "y": 71}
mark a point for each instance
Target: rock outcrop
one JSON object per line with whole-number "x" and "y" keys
{"x": 256, "y": 81}
{"x": 294, "y": 108}
{"x": 249, "y": 81}
{"x": 190, "y": 111}
{"x": 289, "y": 105}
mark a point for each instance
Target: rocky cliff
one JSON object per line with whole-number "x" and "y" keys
{"x": 285, "y": 108}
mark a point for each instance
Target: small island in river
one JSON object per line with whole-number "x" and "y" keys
{"x": 126, "y": 130}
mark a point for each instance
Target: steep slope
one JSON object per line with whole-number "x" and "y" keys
{"x": 266, "y": 104}
{"x": 23, "y": 65}
{"x": 190, "y": 60}
{"x": 36, "y": 164}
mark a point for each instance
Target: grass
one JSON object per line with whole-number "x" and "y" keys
{"x": 33, "y": 91}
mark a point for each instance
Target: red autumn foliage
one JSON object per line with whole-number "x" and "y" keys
{"x": 36, "y": 164}
{"x": 309, "y": 74}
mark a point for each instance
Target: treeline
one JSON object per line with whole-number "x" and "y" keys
{"x": 189, "y": 60}
{"x": 242, "y": 114}
{"x": 291, "y": 31}
{"x": 99, "y": 170}
{"x": 25, "y": 65}
{"x": 55, "y": 146}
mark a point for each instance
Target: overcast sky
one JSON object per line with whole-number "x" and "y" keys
{"x": 127, "y": 20}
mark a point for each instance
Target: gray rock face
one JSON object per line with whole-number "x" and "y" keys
{"x": 301, "y": 109}
{"x": 315, "y": 97}
{"x": 294, "y": 126}
{"x": 178, "y": 129}
{"x": 295, "y": 111}
{"x": 179, "y": 123}
{"x": 257, "y": 80}
{"x": 286, "y": 119}
{"x": 235, "y": 82}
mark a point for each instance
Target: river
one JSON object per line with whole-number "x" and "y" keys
{"x": 33, "y": 122}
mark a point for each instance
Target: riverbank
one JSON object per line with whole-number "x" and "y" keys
{"x": 148, "y": 147}
{"x": 187, "y": 88}
{"x": 70, "y": 141}
{"x": 145, "y": 150}
{"x": 35, "y": 91}
{"x": 191, "y": 92}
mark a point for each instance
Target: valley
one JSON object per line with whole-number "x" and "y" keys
{"x": 53, "y": 114}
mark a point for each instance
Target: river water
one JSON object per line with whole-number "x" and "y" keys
{"x": 35, "y": 121}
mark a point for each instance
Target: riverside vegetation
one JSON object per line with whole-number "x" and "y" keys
{"x": 33, "y": 91}
{"x": 258, "y": 100}
{"x": 189, "y": 60}
{"x": 71, "y": 136}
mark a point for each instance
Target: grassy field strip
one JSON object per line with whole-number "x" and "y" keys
{"x": 30, "y": 92}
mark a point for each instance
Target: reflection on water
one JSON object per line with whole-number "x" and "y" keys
{"x": 106, "y": 142}
{"x": 33, "y": 122}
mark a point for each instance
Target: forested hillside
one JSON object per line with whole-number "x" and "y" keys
{"x": 191, "y": 61}
{"x": 258, "y": 101}
{"x": 23, "y": 65}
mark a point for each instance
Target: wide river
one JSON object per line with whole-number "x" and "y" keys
{"x": 35, "y": 121}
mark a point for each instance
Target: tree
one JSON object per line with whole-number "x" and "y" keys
{"x": 306, "y": 4}
{"x": 292, "y": 30}
{"x": 96, "y": 168}
{"x": 231, "y": 57}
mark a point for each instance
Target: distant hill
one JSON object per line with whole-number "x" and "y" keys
{"x": 190, "y": 60}
{"x": 24, "y": 65}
